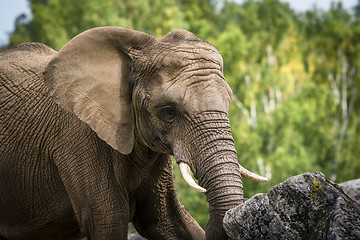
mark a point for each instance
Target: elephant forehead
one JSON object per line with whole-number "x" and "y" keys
{"x": 191, "y": 77}
{"x": 206, "y": 95}
{"x": 191, "y": 57}
{"x": 186, "y": 66}
{"x": 197, "y": 93}
{"x": 208, "y": 100}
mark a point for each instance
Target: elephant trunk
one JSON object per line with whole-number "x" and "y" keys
{"x": 223, "y": 190}
{"x": 213, "y": 160}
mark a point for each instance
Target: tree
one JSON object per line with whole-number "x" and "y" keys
{"x": 332, "y": 51}
{"x": 55, "y": 22}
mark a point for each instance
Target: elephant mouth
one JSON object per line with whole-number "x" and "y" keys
{"x": 186, "y": 173}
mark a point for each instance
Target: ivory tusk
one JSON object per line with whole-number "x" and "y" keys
{"x": 185, "y": 171}
{"x": 251, "y": 176}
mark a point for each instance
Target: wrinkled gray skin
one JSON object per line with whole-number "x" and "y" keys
{"x": 87, "y": 134}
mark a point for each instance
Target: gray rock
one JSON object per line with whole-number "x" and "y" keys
{"x": 352, "y": 189}
{"x": 306, "y": 206}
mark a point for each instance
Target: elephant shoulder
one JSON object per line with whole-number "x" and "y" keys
{"x": 26, "y": 56}
{"x": 29, "y": 47}
{"x": 21, "y": 66}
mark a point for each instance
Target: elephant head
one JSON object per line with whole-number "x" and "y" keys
{"x": 169, "y": 95}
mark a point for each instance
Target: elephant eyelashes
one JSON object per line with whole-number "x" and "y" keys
{"x": 168, "y": 114}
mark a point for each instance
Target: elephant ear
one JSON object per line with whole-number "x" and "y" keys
{"x": 91, "y": 77}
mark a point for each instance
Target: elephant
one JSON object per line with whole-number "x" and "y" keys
{"x": 88, "y": 134}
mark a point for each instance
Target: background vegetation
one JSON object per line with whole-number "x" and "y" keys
{"x": 295, "y": 76}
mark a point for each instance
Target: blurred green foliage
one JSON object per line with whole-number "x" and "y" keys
{"x": 295, "y": 76}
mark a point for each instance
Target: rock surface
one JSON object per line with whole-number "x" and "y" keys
{"x": 352, "y": 189}
{"x": 306, "y": 206}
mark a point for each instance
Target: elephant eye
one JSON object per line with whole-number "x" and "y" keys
{"x": 168, "y": 114}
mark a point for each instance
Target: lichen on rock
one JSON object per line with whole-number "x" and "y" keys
{"x": 306, "y": 206}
